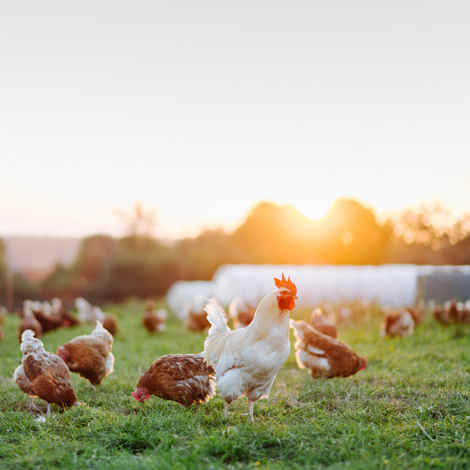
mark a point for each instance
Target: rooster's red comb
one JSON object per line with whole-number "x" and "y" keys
{"x": 287, "y": 284}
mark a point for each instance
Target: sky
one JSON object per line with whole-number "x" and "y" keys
{"x": 200, "y": 110}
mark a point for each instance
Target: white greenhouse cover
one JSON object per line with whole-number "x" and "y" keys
{"x": 394, "y": 284}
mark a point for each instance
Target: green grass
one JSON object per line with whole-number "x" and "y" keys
{"x": 409, "y": 409}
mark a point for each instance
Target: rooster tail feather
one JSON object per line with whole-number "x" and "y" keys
{"x": 216, "y": 317}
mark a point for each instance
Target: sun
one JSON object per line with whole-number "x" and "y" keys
{"x": 314, "y": 210}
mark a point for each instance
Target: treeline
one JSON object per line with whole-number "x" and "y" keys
{"x": 112, "y": 269}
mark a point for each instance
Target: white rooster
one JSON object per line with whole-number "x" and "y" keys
{"x": 247, "y": 360}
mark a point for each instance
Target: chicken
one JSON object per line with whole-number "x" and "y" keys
{"x": 322, "y": 324}
{"x": 154, "y": 320}
{"x": 25, "y": 385}
{"x": 441, "y": 314}
{"x": 110, "y": 323}
{"x": 397, "y": 323}
{"x": 195, "y": 320}
{"x": 44, "y": 374}
{"x": 325, "y": 356}
{"x": 29, "y": 322}
{"x": 48, "y": 321}
{"x": 463, "y": 313}
{"x": 452, "y": 312}
{"x": 451, "y": 308}
{"x": 90, "y": 355}
{"x": 344, "y": 317}
{"x": 184, "y": 378}
{"x": 418, "y": 314}
{"x": 68, "y": 319}
{"x": 247, "y": 360}
{"x": 87, "y": 312}
{"x": 241, "y": 312}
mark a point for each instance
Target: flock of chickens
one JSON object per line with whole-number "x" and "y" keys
{"x": 240, "y": 362}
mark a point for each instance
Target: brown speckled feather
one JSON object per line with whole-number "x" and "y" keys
{"x": 50, "y": 378}
{"x": 184, "y": 378}
{"x": 23, "y": 381}
{"x": 326, "y": 356}
{"x": 87, "y": 357}
{"x": 321, "y": 324}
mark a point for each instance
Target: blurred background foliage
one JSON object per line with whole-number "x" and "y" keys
{"x": 140, "y": 265}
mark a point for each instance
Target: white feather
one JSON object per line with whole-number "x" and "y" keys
{"x": 216, "y": 317}
{"x": 316, "y": 351}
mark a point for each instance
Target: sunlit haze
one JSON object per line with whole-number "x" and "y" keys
{"x": 201, "y": 110}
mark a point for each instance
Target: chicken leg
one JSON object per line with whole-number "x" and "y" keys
{"x": 250, "y": 410}
{"x": 31, "y": 406}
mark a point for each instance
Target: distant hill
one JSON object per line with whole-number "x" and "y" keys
{"x": 36, "y": 257}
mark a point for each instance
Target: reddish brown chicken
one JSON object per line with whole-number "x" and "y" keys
{"x": 322, "y": 324}
{"x": 325, "y": 356}
{"x": 154, "y": 321}
{"x": 452, "y": 312}
{"x": 196, "y": 321}
{"x": 397, "y": 323}
{"x": 110, "y": 323}
{"x": 49, "y": 322}
{"x": 417, "y": 314}
{"x": 47, "y": 374}
{"x": 463, "y": 313}
{"x": 241, "y": 312}
{"x": 90, "y": 355}
{"x": 441, "y": 314}
{"x": 183, "y": 378}
{"x": 29, "y": 322}
{"x": 58, "y": 309}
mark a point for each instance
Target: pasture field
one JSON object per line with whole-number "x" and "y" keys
{"x": 409, "y": 409}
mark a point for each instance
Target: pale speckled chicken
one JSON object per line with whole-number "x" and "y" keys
{"x": 247, "y": 360}
{"x": 90, "y": 355}
{"x": 183, "y": 378}
{"x": 325, "y": 356}
{"x": 44, "y": 374}
{"x": 322, "y": 324}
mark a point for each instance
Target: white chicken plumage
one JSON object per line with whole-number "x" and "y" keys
{"x": 247, "y": 360}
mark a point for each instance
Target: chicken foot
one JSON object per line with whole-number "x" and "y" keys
{"x": 226, "y": 409}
